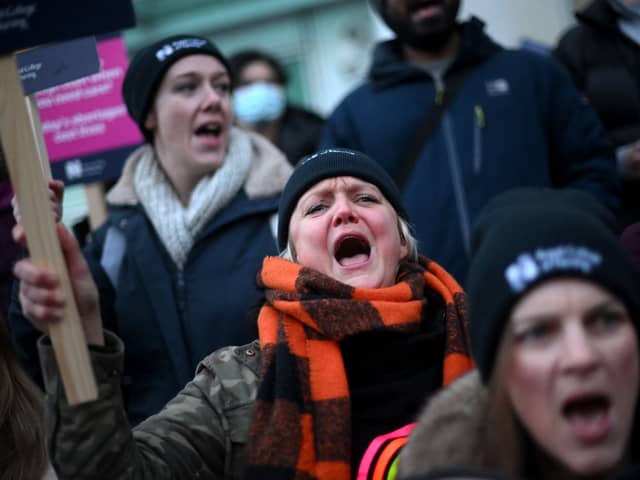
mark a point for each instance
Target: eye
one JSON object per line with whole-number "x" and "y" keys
{"x": 315, "y": 208}
{"x": 222, "y": 88}
{"x": 535, "y": 334}
{"x": 608, "y": 320}
{"x": 367, "y": 198}
{"x": 185, "y": 87}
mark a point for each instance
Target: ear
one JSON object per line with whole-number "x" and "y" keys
{"x": 404, "y": 247}
{"x": 150, "y": 123}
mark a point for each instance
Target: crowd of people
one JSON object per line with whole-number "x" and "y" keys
{"x": 431, "y": 283}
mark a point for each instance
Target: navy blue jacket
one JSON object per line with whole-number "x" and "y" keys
{"x": 517, "y": 120}
{"x": 169, "y": 319}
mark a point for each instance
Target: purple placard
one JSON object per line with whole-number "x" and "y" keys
{"x": 84, "y": 120}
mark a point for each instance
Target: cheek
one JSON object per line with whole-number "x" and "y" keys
{"x": 625, "y": 361}
{"x": 527, "y": 383}
{"x": 309, "y": 239}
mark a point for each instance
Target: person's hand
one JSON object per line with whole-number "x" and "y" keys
{"x": 56, "y": 195}
{"x": 629, "y": 161}
{"x": 41, "y": 294}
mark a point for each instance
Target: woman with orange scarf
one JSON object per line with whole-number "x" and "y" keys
{"x": 356, "y": 331}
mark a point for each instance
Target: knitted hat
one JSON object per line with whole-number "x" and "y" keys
{"x": 333, "y": 162}
{"x": 148, "y": 66}
{"x": 526, "y": 236}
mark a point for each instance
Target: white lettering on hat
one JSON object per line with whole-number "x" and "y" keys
{"x": 529, "y": 266}
{"x": 323, "y": 152}
{"x": 169, "y": 49}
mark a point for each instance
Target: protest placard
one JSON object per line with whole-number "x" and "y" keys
{"x": 25, "y": 24}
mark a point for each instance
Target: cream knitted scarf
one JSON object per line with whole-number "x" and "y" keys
{"x": 176, "y": 225}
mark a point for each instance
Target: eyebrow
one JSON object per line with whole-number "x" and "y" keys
{"x": 604, "y": 305}
{"x": 193, "y": 74}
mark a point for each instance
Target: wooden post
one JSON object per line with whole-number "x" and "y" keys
{"x": 96, "y": 203}
{"x": 26, "y": 159}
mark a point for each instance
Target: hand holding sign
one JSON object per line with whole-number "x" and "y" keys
{"x": 24, "y": 24}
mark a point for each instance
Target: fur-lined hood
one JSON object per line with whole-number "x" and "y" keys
{"x": 449, "y": 429}
{"x": 268, "y": 175}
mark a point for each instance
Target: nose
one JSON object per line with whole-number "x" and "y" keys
{"x": 344, "y": 212}
{"x": 211, "y": 97}
{"x": 579, "y": 353}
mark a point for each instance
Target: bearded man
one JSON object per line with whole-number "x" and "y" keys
{"x": 510, "y": 118}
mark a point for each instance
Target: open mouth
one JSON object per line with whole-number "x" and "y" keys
{"x": 588, "y": 415}
{"x": 211, "y": 129}
{"x": 417, "y": 5}
{"x": 352, "y": 250}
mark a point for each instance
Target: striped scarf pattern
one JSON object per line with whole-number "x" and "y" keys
{"x": 302, "y": 425}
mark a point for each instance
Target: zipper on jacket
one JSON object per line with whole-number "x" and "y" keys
{"x": 478, "y": 126}
{"x": 458, "y": 187}
{"x": 439, "y": 93}
{"x": 180, "y": 294}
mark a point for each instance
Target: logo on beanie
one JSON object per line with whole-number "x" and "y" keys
{"x": 530, "y": 266}
{"x": 324, "y": 152}
{"x": 169, "y": 49}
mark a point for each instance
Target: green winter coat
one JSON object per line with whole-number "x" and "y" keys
{"x": 201, "y": 433}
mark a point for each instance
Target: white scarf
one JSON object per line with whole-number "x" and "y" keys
{"x": 176, "y": 225}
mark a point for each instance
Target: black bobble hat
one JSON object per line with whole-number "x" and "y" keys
{"x": 333, "y": 162}
{"x": 528, "y": 235}
{"x": 149, "y": 65}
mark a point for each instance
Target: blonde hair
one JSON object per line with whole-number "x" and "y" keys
{"x": 23, "y": 454}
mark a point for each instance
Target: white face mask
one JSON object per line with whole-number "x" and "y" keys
{"x": 258, "y": 102}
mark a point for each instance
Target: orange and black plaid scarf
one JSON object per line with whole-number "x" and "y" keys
{"x": 302, "y": 425}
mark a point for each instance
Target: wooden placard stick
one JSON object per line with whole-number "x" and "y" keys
{"x": 24, "y": 155}
{"x": 31, "y": 105}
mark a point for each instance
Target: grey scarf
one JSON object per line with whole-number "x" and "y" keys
{"x": 176, "y": 225}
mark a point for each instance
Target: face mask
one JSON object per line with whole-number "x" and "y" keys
{"x": 258, "y": 102}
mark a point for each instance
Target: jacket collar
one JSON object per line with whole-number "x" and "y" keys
{"x": 389, "y": 67}
{"x": 269, "y": 172}
{"x": 448, "y": 432}
{"x": 599, "y": 15}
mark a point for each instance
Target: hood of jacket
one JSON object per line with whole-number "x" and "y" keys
{"x": 599, "y": 15}
{"x": 389, "y": 67}
{"x": 268, "y": 174}
{"x": 448, "y": 430}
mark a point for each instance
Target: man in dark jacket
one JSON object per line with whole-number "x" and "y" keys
{"x": 516, "y": 120}
{"x": 602, "y": 54}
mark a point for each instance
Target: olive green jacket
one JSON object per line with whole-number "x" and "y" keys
{"x": 201, "y": 433}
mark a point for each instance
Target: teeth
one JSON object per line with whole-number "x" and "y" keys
{"x": 210, "y": 128}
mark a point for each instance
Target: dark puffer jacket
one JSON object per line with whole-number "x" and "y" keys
{"x": 605, "y": 65}
{"x": 170, "y": 319}
{"x": 517, "y": 120}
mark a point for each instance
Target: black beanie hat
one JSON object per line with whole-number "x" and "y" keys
{"x": 333, "y": 162}
{"x": 526, "y": 236}
{"x": 149, "y": 65}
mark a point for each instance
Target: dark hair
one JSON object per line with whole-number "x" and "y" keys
{"x": 23, "y": 453}
{"x": 239, "y": 60}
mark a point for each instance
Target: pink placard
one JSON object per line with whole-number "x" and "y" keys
{"x": 88, "y": 115}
